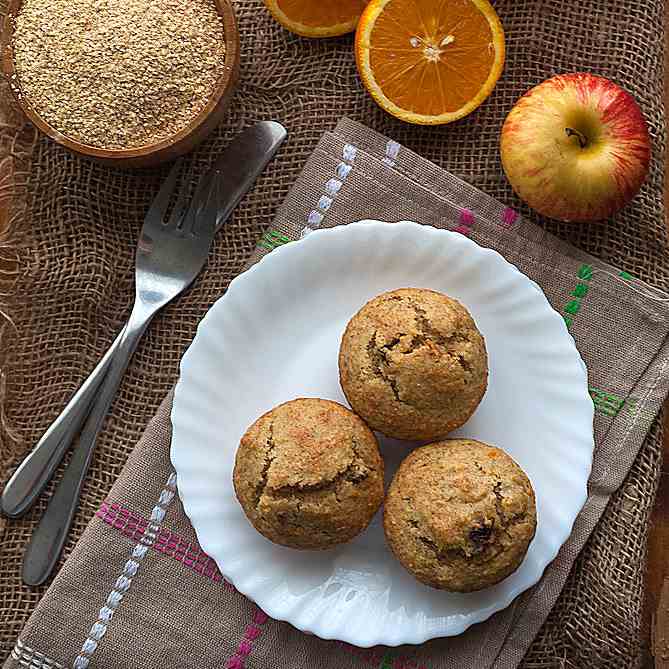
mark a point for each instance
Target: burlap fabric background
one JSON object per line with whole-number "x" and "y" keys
{"x": 74, "y": 254}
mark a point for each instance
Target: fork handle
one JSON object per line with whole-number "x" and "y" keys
{"x": 49, "y": 536}
{"x": 37, "y": 468}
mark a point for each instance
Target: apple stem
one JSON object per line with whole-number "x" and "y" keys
{"x": 582, "y": 139}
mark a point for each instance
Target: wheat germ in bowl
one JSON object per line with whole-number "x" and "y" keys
{"x": 308, "y": 474}
{"x": 118, "y": 74}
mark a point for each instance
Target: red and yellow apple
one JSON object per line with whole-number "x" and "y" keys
{"x": 576, "y": 147}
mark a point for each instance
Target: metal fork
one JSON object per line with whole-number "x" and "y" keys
{"x": 236, "y": 168}
{"x": 170, "y": 254}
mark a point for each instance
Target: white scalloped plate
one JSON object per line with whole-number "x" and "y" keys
{"x": 275, "y": 336}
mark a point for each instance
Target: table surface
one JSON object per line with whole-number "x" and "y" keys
{"x": 656, "y": 619}
{"x": 657, "y": 577}
{"x": 656, "y": 614}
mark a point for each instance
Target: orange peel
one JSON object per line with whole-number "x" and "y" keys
{"x": 317, "y": 18}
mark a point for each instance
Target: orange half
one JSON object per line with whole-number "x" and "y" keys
{"x": 317, "y": 18}
{"x": 429, "y": 61}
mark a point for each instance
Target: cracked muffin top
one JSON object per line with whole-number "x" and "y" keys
{"x": 308, "y": 474}
{"x": 460, "y": 515}
{"x": 413, "y": 364}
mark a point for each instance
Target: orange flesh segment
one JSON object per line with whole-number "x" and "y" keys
{"x": 431, "y": 57}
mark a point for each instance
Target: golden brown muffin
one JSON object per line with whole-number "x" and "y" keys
{"x": 413, "y": 364}
{"x": 308, "y": 474}
{"x": 460, "y": 515}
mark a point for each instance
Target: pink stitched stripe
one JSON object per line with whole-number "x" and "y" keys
{"x": 463, "y": 230}
{"x": 252, "y": 632}
{"x": 509, "y": 217}
{"x": 467, "y": 217}
{"x": 132, "y": 525}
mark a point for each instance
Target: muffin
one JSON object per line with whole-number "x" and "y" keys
{"x": 413, "y": 365}
{"x": 460, "y": 515}
{"x": 309, "y": 475}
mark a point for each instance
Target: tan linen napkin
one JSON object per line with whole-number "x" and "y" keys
{"x": 138, "y": 591}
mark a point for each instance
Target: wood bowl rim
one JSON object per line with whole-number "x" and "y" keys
{"x": 222, "y": 91}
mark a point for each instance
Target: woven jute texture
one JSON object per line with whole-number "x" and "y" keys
{"x": 72, "y": 287}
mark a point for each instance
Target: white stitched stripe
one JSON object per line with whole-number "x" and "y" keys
{"x": 139, "y": 551}
{"x": 105, "y": 614}
{"x": 392, "y": 151}
{"x": 32, "y": 664}
{"x": 324, "y": 203}
{"x": 148, "y": 537}
{"x": 157, "y": 515}
{"x": 98, "y": 630}
{"x": 89, "y": 646}
{"x": 332, "y": 187}
{"x": 114, "y": 599}
{"x": 165, "y": 497}
{"x": 150, "y": 533}
{"x": 315, "y": 218}
{"x": 124, "y": 581}
{"x": 29, "y": 657}
{"x": 343, "y": 170}
{"x": 349, "y": 152}
{"x": 131, "y": 567}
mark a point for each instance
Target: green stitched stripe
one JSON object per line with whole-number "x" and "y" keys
{"x": 585, "y": 272}
{"x": 387, "y": 661}
{"x": 625, "y": 275}
{"x": 272, "y": 239}
{"x": 581, "y": 290}
{"x": 278, "y": 236}
{"x": 572, "y": 307}
{"x": 607, "y": 403}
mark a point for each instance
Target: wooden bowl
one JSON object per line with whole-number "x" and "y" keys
{"x": 151, "y": 154}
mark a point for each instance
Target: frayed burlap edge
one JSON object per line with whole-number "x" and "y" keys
{"x": 17, "y": 139}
